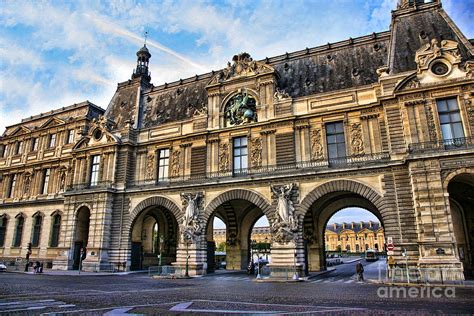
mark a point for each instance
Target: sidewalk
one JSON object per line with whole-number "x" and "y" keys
{"x": 465, "y": 284}
{"x": 76, "y": 273}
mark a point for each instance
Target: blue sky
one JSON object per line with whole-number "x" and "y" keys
{"x": 56, "y": 53}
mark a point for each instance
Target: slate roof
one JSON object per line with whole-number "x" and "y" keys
{"x": 357, "y": 227}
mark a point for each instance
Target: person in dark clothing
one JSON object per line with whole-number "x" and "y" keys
{"x": 360, "y": 271}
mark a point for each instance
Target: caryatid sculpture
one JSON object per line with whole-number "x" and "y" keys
{"x": 190, "y": 226}
{"x": 286, "y": 223}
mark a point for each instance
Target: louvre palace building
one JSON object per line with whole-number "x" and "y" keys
{"x": 384, "y": 122}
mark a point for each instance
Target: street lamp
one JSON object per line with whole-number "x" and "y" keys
{"x": 186, "y": 240}
{"x": 160, "y": 248}
{"x": 295, "y": 275}
{"x": 266, "y": 249}
{"x": 254, "y": 242}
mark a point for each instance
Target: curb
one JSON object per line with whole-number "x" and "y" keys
{"x": 329, "y": 270}
{"x": 419, "y": 284}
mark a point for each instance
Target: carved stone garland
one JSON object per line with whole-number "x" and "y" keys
{"x": 224, "y": 157}
{"x": 150, "y": 166}
{"x": 256, "y": 152}
{"x": 431, "y": 122}
{"x": 175, "y": 161}
{"x": 316, "y": 145}
{"x": 357, "y": 143}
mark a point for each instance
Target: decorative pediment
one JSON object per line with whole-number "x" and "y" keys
{"x": 447, "y": 50}
{"x": 20, "y": 130}
{"x": 99, "y": 134}
{"x": 53, "y": 121}
{"x": 242, "y": 65}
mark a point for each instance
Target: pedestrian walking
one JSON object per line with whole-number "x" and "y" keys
{"x": 360, "y": 271}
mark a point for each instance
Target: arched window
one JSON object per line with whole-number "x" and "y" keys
{"x": 3, "y": 229}
{"x": 55, "y": 230}
{"x": 37, "y": 221}
{"x": 357, "y": 248}
{"x": 20, "y": 221}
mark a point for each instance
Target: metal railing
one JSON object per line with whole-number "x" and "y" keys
{"x": 280, "y": 169}
{"x": 442, "y": 145}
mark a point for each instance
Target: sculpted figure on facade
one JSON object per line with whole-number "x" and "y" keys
{"x": 285, "y": 225}
{"x": 280, "y": 95}
{"x": 26, "y": 191}
{"x": 175, "y": 157}
{"x": 62, "y": 179}
{"x": 224, "y": 157}
{"x": 357, "y": 143}
{"x": 316, "y": 145}
{"x": 191, "y": 227}
{"x": 241, "y": 109}
{"x": 431, "y": 122}
{"x": 256, "y": 152}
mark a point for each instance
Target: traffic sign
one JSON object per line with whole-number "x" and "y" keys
{"x": 390, "y": 247}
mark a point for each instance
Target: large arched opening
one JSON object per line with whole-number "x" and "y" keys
{"x": 81, "y": 234}
{"x": 461, "y": 201}
{"x": 325, "y": 202}
{"x": 153, "y": 237}
{"x": 238, "y": 210}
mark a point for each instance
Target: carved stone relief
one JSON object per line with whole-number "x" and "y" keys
{"x": 27, "y": 184}
{"x": 316, "y": 145}
{"x": 175, "y": 162}
{"x": 357, "y": 143}
{"x": 256, "y": 152}
{"x": 280, "y": 95}
{"x": 150, "y": 166}
{"x": 224, "y": 157}
{"x": 431, "y": 122}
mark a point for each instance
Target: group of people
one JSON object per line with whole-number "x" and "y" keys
{"x": 38, "y": 267}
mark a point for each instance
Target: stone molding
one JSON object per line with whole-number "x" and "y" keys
{"x": 156, "y": 201}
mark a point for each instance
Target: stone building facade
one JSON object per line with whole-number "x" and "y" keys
{"x": 383, "y": 122}
{"x": 354, "y": 237}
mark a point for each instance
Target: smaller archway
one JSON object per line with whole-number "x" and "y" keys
{"x": 153, "y": 237}
{"x": 81, "y": 235}
{"x": 461, "y": 202}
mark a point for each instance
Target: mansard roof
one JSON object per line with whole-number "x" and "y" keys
{"x": 335, "y": 66}
{"x": 358, "y": 227}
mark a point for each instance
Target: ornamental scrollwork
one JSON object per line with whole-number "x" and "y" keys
{"x": 150, "y": 166}
{"x": 357, "y": 143}
{"x": 256, "y": 152}
{"x": 224, "y": 157}
{"x": 316, "y": 145}
{"x": 175, "y": 162}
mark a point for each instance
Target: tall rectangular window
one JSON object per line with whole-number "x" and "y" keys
{"x": 37, "y": 221}
{"x": 18, "y": 231}
{"x": 55, "y": 231}
{"x": 34, "y": 144}
{"x": 450, "y": 119}
{"x": 3, "y": 230}
{"x": 335, "y": 140}
{"x": 163, "y": 163}
{"x": 45, "y": 184}
{"x": 18, "y": 147}
{"x": 52, "y": 141}
{"x": 70, "y": 136}
{"x": 240, "y": 154}
{"x": 11, "y": 186}
{"x": 95, "y": 168}
{"x": 4, "y": 151}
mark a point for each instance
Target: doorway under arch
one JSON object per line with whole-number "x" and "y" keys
{"x": 461, "y": 200}
{"x": 154, "y": 238}
{"x": 81, "y": 234}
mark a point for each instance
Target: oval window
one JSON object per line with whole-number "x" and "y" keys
{"x": 439, "y": 68}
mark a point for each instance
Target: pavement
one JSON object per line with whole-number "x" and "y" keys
{"x": 335, "y": 293}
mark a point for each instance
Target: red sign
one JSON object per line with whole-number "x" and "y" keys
{"x": 390, "y": 247}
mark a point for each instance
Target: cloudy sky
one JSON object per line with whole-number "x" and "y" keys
{"x": 56, "y": 53}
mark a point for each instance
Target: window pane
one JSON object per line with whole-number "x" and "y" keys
{"x": 444, "y": 118}
{"x": 236, "y": 142}
{"x": 243, "y": 151}
{"x": 331, "y": 139}
{"x": 339, "y": 127}
{"x": 341, "y": 150}
{"x": 452, "y": 104}
{"x": 243, "y": 141}
{"x": 340, "y": 138}
{"x": 244, "y": 162}
{"x": 455, "y": 117}
{"x": 446, "y": 131}
{"x": 332, "y": 151}
{"x": 442, "y": 106}
{"x": 457, "y": 130}
{"x": 237, "y": 152}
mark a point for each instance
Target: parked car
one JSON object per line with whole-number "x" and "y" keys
{"x": 3, "y": 267}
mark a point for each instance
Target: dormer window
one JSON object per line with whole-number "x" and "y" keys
{"x": 18, "y": 147}
{"x": 34, "y": 144}
{"x": 70, "y": 136}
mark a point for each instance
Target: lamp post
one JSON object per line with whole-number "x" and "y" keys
{"x": 295, "y": 275}
{"x": 266, "y": 248}
{"x": 160, "y": 247}
{"x": 258, "y": 260}
{"x": 186, "y": 273}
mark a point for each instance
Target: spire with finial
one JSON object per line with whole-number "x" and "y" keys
{"x": 143, "y": 58}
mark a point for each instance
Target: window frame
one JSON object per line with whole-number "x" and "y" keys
{"x": 55, "y": 230}
{"x": 45, "y": 181}
{"x": 18, "y": 236}
{"x": 52, "y": 140}
{"x": 95, "y": 170}
{"x": 19, "y": 147}
{"x": 449, "y": 113}
{"x": 36, "y": 233}
{"x": 12, "y": 186}
{"x": 3, "y": 230}
{"x": 163, "y": 164}
{"x": 238, "y": 147}
{"x": 69, "y": 136}
{"x": 34, "y": 144}
{"x": 336, "y": 134}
